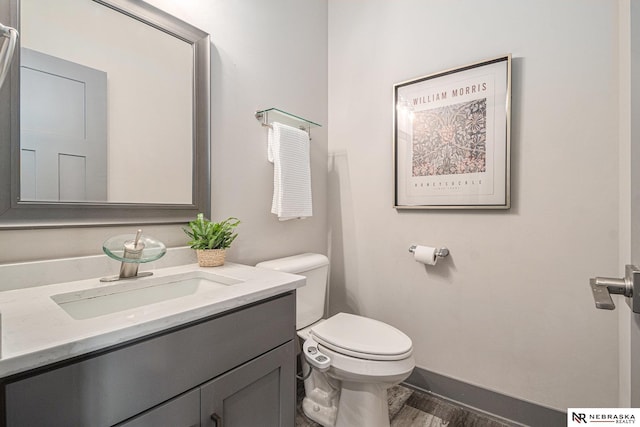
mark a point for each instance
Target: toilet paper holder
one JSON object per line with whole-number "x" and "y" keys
{"x": 440, "y": 253}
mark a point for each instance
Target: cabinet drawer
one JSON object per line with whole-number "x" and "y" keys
{"x": 183, "y": 411}
{"x": 109, "y": 388}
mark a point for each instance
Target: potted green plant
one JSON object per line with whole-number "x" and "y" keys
{"x": 211, "y": 239}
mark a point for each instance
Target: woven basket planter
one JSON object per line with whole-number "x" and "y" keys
{"x": 210, "y": 257}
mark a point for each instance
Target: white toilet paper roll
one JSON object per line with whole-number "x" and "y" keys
{"x": 425, "y": 255}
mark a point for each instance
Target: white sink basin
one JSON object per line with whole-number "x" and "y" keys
{"x": 107, "y": 299}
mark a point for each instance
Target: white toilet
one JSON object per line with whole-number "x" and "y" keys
{"x": 355, "y": 359}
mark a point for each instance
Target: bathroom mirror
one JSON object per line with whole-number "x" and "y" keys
{"x": 110, "y": 117}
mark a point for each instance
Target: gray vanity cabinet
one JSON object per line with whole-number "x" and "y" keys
{"x": 237, "y": 366}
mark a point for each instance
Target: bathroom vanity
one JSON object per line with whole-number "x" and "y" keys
{"x": 218, "y": 353}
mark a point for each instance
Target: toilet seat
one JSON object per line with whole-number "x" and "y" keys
{"x": 362, "y": 338}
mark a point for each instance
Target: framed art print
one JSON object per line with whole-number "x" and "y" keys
{"x": 452, "y": 138}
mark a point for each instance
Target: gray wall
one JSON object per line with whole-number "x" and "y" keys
{"x": 510, "y": 309}
{"x": 264, "y": 54}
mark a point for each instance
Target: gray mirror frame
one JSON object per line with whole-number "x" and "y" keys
{"x": 15, "y": 214}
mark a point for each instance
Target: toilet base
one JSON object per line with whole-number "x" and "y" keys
{"x": 333, "y": 403}
{"x": 322, "y": 393}
{"x": 363, "y": 404}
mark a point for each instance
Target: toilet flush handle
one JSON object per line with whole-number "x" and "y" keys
{"x": 313, "y": 355}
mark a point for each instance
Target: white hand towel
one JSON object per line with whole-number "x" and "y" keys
{"x": 288, "y": 150}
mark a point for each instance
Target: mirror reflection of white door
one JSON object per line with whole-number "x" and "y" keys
{"x": 63, "y": 130}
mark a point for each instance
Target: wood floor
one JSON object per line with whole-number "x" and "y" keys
{"x": 411, "y": 408}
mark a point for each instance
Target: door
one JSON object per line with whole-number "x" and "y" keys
{"x": 63, "y": 130}
{"x": 260, "y": 393}
{"x": 629, "y": 205}
{"x": 635, "y": 193}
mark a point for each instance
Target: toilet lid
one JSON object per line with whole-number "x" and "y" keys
{"x": 362, "y": 337}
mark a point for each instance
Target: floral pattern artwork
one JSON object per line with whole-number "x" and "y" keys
{"x": 450, "y": 140}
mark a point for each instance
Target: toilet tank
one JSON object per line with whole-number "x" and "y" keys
{"x": 310, "y": 299}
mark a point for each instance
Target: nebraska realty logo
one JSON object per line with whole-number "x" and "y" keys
{"x": 582, "y": 416}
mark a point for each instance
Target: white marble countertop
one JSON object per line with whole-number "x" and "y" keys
{"x": 36, "y": 331}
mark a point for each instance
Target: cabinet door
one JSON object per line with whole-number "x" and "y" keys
{"x": 183, "y": 411}
{"x": 260, "y": 393}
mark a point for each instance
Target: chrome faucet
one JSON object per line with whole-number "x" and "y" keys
{"x": 132, "y": 252}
